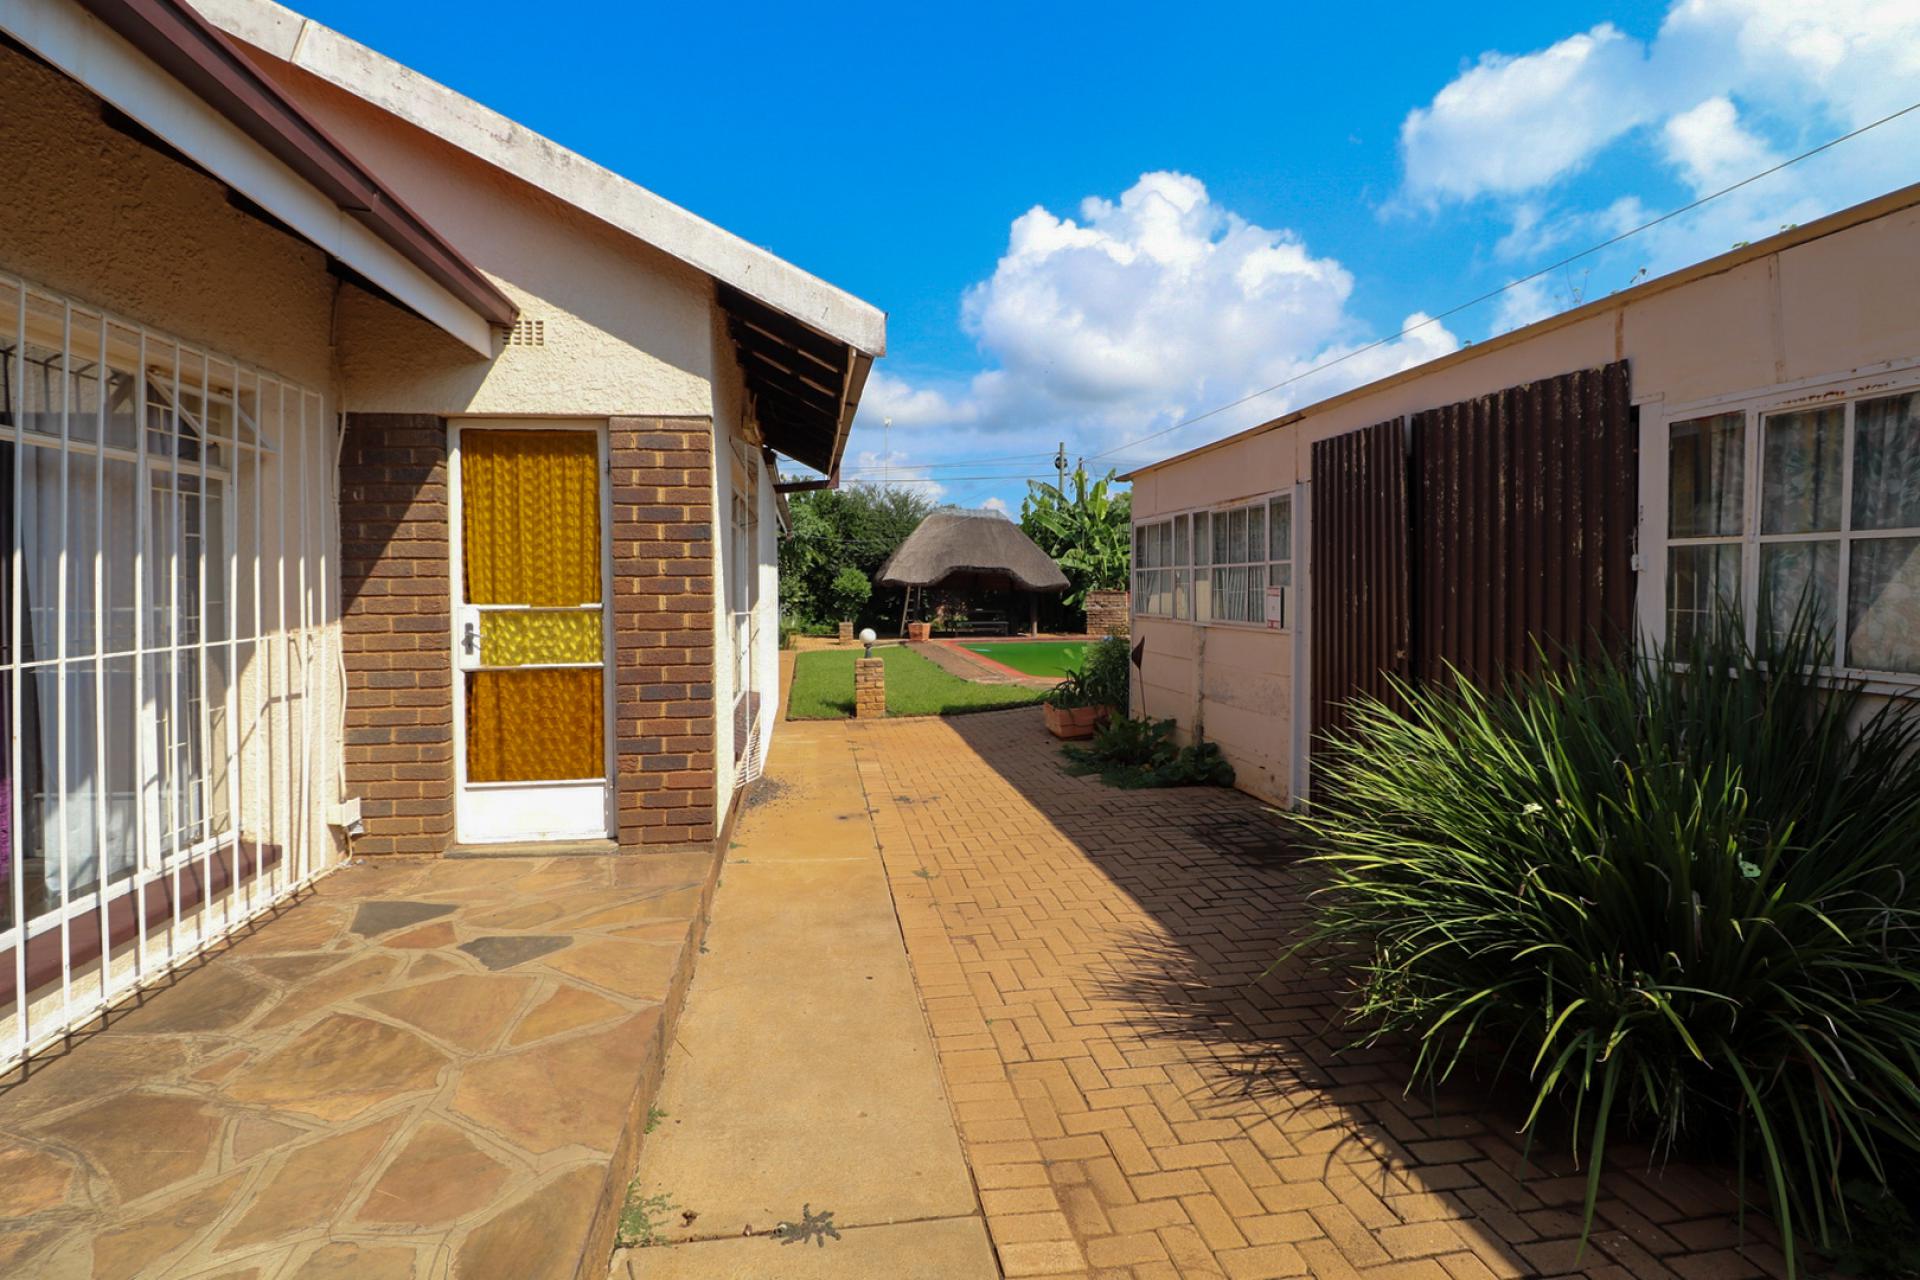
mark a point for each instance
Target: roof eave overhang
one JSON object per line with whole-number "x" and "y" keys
{"x": 805, "y": 386}
{"x": 165, "y": 66}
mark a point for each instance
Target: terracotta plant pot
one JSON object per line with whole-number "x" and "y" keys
{"x": 1073, "y": 723}
{"x": 919, "y": 630}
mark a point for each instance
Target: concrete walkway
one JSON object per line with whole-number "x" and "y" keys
{"x": 802, "y": 1079}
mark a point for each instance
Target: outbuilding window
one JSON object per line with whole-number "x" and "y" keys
{"x": 1814, "y": 501}
{"x": 1215, "y": 566}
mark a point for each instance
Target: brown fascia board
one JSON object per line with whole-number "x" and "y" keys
{"x": 200, "y": 56}
{"x": 1840, "y": 220}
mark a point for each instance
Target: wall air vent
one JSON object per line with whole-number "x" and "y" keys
{"x": 527, "y": 332}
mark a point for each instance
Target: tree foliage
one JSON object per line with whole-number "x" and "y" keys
{"x": 1087, "y": 528}
{"x": 842, "y": 532}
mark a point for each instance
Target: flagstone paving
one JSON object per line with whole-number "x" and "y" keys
{"x": 423, "y": 1069}
{"x": 1143, "y": 1096}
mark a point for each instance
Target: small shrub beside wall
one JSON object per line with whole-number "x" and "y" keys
{"x": 1683, "y": 899}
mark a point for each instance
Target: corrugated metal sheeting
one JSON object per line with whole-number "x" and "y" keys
{"x": 1361, "y": 615}
{"x": 1524, "y": 514}
{"x": 1485, "y": 529}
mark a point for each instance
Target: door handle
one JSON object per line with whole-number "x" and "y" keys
{"x": 467, "y": 648}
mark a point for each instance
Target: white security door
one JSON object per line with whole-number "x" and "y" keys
{"x": 530, "y": 568}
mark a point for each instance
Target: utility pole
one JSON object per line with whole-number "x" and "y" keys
{"x": 886, "y": 452}
{"x": 1060, "y": 466}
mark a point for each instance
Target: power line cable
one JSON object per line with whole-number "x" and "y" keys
{"x": 1020, "y": 459}
{"x": 1514, "y": 284}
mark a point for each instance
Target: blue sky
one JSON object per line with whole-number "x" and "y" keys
{"x": 1088, "y": 223}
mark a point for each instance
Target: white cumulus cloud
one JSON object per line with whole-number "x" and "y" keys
{"x": 1711, "y": 149}
{"x": 1134, "y": 314}
{"x": 1725, "y": 90}
{"x": 1513, "y": 124}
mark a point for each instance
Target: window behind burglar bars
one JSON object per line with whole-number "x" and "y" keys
{"x": 157, "y": 737}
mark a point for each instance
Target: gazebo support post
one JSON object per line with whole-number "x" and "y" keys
{"x": 1033, "y": 613}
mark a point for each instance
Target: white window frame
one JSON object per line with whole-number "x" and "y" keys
{"x": 1657, "y": 421}
{"x": 1188, "y": 585}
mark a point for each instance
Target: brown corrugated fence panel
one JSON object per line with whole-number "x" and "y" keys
{"x": 1524, "y": 508}
{"x": 1362, "y": 623}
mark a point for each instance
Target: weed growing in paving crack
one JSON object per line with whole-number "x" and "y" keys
{"x": 654, "y": 1116}
{"x": 817, "y": 1227}
{"x": 642, "y": 1217}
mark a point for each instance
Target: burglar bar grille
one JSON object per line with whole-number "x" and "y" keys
{"x": 166, "y": 604}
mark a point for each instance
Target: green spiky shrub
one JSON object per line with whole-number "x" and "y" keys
{"x": 1682, "y": 897}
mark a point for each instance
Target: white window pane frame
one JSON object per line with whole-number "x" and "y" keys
{"x": 1212, "y": 566}
{"x": 1892, "y": 381}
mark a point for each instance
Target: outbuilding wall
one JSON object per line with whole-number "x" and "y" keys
{"x": 1826, "y": 306}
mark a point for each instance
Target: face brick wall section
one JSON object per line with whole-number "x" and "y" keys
{"x": 393, "y": 568}
{"x": 1108, "y": 613}
{"x": 663, "y": 630}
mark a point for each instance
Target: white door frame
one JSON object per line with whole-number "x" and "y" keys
{"x": 509, "y": 812}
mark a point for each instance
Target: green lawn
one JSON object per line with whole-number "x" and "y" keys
{"x": 1034, "y": 657}
{"x": 823, "y": 687}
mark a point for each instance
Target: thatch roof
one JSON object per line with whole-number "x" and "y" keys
{"x": 953, "y": 543}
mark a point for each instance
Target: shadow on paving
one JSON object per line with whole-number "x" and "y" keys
{"x": 1201, "y": 982}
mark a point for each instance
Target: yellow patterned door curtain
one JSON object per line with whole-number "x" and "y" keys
{"x": 530, "y": 558}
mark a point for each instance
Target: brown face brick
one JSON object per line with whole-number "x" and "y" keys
{"x": 395, "y": 543}
{"x": 393, "y": 575}
{"x": 663, "y": 628}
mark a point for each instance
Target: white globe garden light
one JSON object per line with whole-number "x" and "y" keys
{"x": 867, "y": 637}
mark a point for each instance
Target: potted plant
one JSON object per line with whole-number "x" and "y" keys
{"x": 919, "y": 630}
{"x": 1071, "y": 711}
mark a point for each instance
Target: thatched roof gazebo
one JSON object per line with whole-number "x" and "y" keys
{"x": 960, "y": 550}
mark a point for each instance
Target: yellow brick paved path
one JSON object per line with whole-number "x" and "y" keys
{"x": 1140, "y": 1098}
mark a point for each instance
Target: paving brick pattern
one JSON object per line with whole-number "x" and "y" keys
{"x": 1141, "y": 1097}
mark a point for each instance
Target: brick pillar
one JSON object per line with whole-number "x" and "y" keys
{"x": 394, "y": 588}
{"x": 663, "y": 601}
{"x": 846, "y": 633}
{"x": 869, "y": 688}
{"x": 1108, "y": 614}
